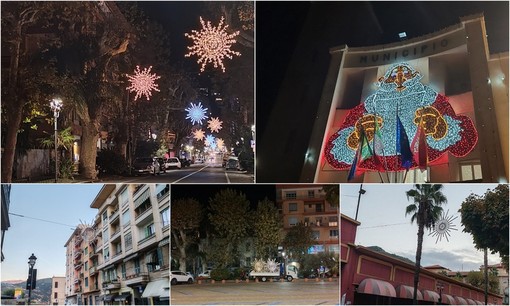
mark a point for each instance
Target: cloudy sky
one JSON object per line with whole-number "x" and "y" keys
{"x": 384, "y": 223}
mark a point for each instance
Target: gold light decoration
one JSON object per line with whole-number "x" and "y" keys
{"x": 212, "y": 44}
{"x": 215, "y": 124}
{"x": 142, "y": 82}
{"x": 198, "y": 134}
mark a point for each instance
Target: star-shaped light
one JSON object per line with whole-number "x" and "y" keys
{"x": 220, "y": 143}
{"x": 214, "y": 124}
{"x": 198, "y": 134}
{"x": 210, "y": 140}
{"x": 142, "y": 82}
{"x": 196, "y": 113}
{"x": 212, "y": 44}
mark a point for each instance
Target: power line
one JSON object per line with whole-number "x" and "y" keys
{"x": 49, "y": 221}
{"x": 384, "y": 225}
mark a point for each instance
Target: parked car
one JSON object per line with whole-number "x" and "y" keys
{"x": 146, "y": 165}
{"x": 161, "y": 162}
{"x": 232, "y": 163}
{"x": 199, "y": 160}
{"x": 181, "y": 277}
{"x": 185, "y": 162}
{"x": 172, "y": 162}
{"x": 206, "y": 274}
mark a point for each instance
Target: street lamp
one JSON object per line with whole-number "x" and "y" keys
{"x": 31, "y": 275}
{"x": 440, "y": 287}
{"x": 56, "y": 106}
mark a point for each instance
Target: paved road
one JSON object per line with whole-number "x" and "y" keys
{"x": 202, "y": 173}
{"x": 277, "y": 293}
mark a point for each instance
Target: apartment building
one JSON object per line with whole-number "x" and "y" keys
{"x": 58, "y": 290}
{"x": 123, "y": 257}
{"x": 307, "y": 204}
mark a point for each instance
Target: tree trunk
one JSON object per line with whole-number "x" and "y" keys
{"x": 11, "y": 139}
{"x": 486, "y": 275}
{"x": 421, "y": 219}
{"x": 89, "y": 139}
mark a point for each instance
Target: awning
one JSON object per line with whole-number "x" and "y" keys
{"x": 377, "y": 287}
{"x": 121, "y": 297}
{"x": 471, "y": 302}
{"x": 156, "y": 288}
{"x": 165, "y": 295}
{"x": 460, "y": 301}
{"x": 479, "y": 303}
{"x": 407, "y": 292}
{"x": 108, "y": 298}
{"x": 144, "y": 196}
{"x": 430, "y": 296}
{"x": 448, "y": 299}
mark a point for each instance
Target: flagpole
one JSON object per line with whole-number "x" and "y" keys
{"x": 405, "y": 175}
{"x": 382, "y": 149}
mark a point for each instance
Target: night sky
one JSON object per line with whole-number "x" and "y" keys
{"x": 202, "y": 193}
{"x": 356, "y": 24}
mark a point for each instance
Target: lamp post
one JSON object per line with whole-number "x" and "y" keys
{"x": 56, "y": 106}
{"x": 440, "y": 287}
{"x": 31, "y": 280}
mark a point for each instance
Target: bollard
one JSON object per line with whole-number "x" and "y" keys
{"x": 213, "y": 281}
{"x": 199, "y": 281}
{"x": 222, "y": 281}
{"x": 306, "y": 279}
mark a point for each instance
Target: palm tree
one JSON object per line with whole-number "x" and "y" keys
{"x": 426, "y": 210}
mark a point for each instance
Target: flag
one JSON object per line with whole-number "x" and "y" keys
{"x": 363, "y": 152}
{"x": 378, "y": 146}
{"x": 403, "y": 146}
{"x": 419, "y": 146}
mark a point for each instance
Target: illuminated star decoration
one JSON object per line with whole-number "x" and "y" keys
{"x": 443, "y": 226}
{"x": 210, "y": 141}
{"x": 142, "y": 82}
{"x": 214, "y": 124}
{"x": 198, "y": 134}
{"x": 196, "y": 113}
{"x": 220, "y": 143}
{"x": 212, "y": 44}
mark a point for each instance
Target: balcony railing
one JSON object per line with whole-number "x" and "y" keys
{"x": 115, "y": 234}
{"x": 147, "y": 238}
{"x": 93, "y": 270}
{"x": 111, "y": 285}
{"x": 142, "y": 213}
{"x": 136, "y": 278}
{"x": 114, "y": 215}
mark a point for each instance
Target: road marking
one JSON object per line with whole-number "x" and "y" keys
{"x": 226, "y": 175}
{"x": 189, "y": 175}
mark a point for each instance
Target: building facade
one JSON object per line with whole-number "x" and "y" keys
{"x": 58, "y": 290}
{"x": 449, "y": 78}
{"x": 370, "y": 277}
{"x": 307, "y": 204}
{"x": 123, "y": 258}
{"x": 6, "y": 199}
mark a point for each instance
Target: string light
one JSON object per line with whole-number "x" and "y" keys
{"x": 401, "y": 90}
{"x": 142, "y": 82}
{"x": 215, "y": 124}
{"x": 212, "y": 44}
{"x": 196, "y": 113}
{"x": 198, "y": 134}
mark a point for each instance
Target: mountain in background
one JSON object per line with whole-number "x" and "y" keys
{"x": 41, "y": 293}
{"x": 381, "y": 250}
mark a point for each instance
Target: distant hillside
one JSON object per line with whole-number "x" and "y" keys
{"x": 41, "y": 293}
{"x": 381, "y": 250}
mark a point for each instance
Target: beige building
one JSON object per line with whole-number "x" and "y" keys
{"x": 58, "y": 290}
{"x": 307, "y": 204}
{"x": 123, "y": 258}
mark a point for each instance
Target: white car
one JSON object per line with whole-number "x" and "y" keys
{"x": 206, "y": 274}
{"x": 172, "y": 162}
{"x": 181, "y": 277}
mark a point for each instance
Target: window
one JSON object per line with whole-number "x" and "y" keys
{"x": 123, "y": 270}
{"x": 126, "y": 218}
{"x": 128, "y": 241}
{"x": 470, "y": 171}
{"x": 334, "y": 249}
{"x": 86, "y": 251}
{"x": 292, "y": 207}
{"x": 333, "y": 233}
{"x": 86, "y": 266}
{"x": 307, "y": 221}
{"x": 55, "y": 295}
{"x": 105, "y": 216}
{"x": 124, "y": 197}
{"x": 316, "y": 235}
{"x": 56, "y": 284}
{"x": 333, "y": 221}
{"x": 149, "y": 230}
{"x": 293, "y": 221}
{"x": 318, "y": 207}
{"x": 165, "y": 217}
{"x": 318, "y": 221}
{"x": 106, "y": 234}
{"x": 311, "y": 193}
{"x": 137, "y": 266}
{"x": 106, "y": 254}
{"x": 86, "y": 281}
{"x": 162, "y": 190}
{"x": 290, "y": 195}
{"x": 118, "y": 248}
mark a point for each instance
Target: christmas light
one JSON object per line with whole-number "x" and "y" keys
{"x": 220, "y": 143}
{"x": 142, "y": 82}
{"x": 443, "y": 226}
{"x": 198, "y": 134}
{"x": 210, "y": 141}
{"x": 212, "y": 44}
{"x": 196, "y": 113}
{"x": 400, "y": 91}
{"x": 214, "y": 124}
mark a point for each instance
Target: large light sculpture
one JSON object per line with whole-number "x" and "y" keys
{"x": 401, "y": 92}
{"x": 196, "y": 113}
{"x": 215, "y": 124}
{"x": 142, "y": 82}
{"x": 212, "y": 44}
{"x": 198, "y": 134}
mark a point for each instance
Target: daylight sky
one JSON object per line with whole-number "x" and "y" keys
{"x": 62, "y": 203}
{"x": 384, "y": 223}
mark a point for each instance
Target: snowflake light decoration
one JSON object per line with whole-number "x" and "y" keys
{"x": 443, "y": 227}
{"x": 215, "y": 124}
{"x": 210, "y": 140}
{"x": 220, "y": 143}
{"x": 212, "y": 44}
{"x": 196, "y": 113}
{"x": 198, "y": 134}
{"x": 142, "y": 82}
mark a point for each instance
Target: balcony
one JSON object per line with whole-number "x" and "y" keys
{"x": 77, "y": 261}
{"x": 77, "y": 281}
{"x": 111, "y": 285}
{"x": 92, "y": 270}
{"x": 138, "y": 278}
{"x": 146, "y": 239}
{"x": 77, "y": 241}
{"x": 114, "y": 216}
{"x": 143, "y": 214}
{"x": 78, "y": 266}
{"x": 115, "y": 234}
{"x": 77, "y": 254}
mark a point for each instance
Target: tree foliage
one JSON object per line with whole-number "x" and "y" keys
{"x": 298, "y": 239}
{"x": 267, "y": 225}
{"x": 477, "y": 279}
{"x": 332, "y": 194}
{"x": 486, "y": 219}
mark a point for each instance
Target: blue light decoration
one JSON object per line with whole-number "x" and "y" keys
{"x": 401, "y": 92}
{"x": 210, "y": 141}
{"x": 196, "y": 113}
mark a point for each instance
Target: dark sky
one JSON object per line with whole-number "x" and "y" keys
{"x": 202, "y": 193}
